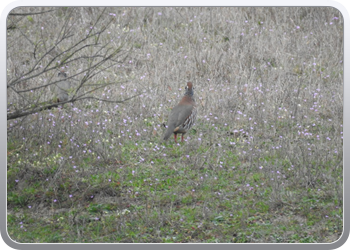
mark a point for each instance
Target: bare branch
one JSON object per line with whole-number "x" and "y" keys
{"x": 91, "y": 50}
{"x": 18, "y": 114}
{"x": 30, "y": 13}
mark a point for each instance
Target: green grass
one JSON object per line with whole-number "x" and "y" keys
{"x": 171, "y": 200}
{"x": 260, "y": 165}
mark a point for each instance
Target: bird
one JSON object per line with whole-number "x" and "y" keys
{"x": 182, "y": 116}
{"x": 62, "y": 87}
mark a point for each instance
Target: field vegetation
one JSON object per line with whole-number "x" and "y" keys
{"x": 263, "y": 163}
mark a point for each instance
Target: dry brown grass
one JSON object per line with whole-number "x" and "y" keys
{"x": 262, "y": 164}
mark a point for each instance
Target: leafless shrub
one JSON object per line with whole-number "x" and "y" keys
{"x": 268, "y": 87}
{"x": 39, "y": 47}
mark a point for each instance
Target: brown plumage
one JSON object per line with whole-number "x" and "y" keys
{"x": 182, "y": 116}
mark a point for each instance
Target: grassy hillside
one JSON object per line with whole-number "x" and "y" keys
{"x": 263, "y": 162}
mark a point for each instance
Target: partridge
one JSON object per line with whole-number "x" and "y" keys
{"x": 61, "y": 88}
{"x": 182, "y": 116}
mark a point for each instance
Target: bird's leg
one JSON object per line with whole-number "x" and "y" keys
{"x": 175, "y": 135}
{"x": 182, "y": 138}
